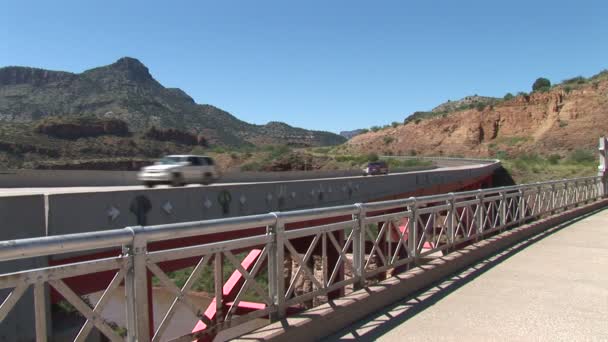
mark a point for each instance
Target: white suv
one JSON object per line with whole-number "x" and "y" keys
{"x": 179, "y": 170}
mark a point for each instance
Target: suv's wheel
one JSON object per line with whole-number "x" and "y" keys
{"x": 207, "y": 178}
{"x": 149, "y": 184}
{"x": 177, "y": 179}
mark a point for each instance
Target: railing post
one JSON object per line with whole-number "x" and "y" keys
{"x": 140, "y": 284}
{"x": 40, "y": 311}
{"x": 566, "y": 201}
{"x": 451, "y": 219}
{"x": 552, "y": 198}
{"x": 218, "y": 285}
{"x": 480, "y": 214}
{"x": 131, "y": 318}
{"x": 503, "y": 209}
{"x": 412, "y": 231}
{"x": 276, "y": 260}
{"x": 539, "y": 200}
{"x": 359, "y": 247}
{"x": 522, "y": 206}
{"x": 602, "y": 169}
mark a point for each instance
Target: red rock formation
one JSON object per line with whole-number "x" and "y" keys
{"x": 554, "y": 122}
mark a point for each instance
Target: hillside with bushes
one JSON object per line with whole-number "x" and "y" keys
{"x": 551, "y": 120}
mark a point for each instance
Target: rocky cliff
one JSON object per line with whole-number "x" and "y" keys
{"x": 126, "y": 90}
{"x": 566, "y": 118}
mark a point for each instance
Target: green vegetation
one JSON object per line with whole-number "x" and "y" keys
{"x": 321, "y": 150}
{"x": 395, "y": 124}
{"x": 575, "y": 80}
{"x": 541, "y": 84}
{"x": 205, "y": 282}
{"x": 508, "y": 96}
{"x": 387, "y": 140}
{"x": 582, "y": 157}
{"x": 374, "y": 128}
{"x": 531, "y": 167}
{"x": 395, "y": 163}
{"x": 509, "y": 141}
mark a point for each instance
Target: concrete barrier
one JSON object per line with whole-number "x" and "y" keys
{"x": 21, "y": 217}
{"x": 80, "y": 212}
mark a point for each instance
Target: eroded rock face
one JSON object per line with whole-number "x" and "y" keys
{"x": 33, "y": 76}
{"x": 175, "y": 135}
{"x": 77, "y": 130}
{"x": 552, "y": 122}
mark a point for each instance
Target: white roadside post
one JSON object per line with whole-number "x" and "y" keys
{"x": 602, "y": 172}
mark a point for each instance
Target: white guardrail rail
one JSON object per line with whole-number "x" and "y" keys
{"x": 368, "y": 241}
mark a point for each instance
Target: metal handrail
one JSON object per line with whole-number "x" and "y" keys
{"x": 77, "y": 242}
{"x": 378, "y": 237}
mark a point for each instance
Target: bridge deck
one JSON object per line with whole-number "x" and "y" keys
{"x": 553, "y": 287}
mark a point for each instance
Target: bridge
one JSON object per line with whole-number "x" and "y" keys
{"x": 311, "y": 251}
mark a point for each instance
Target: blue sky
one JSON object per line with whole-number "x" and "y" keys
{"x": 328, "y": 65}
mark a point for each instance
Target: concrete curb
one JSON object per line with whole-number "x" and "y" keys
{"x": 324, "y": 320}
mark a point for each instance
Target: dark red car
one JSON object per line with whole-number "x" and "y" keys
{"x": 376, "y": 168}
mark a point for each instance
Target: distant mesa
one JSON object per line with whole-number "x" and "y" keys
{"x": 350, "y": 134}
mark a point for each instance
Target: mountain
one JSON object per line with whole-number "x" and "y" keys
{"x": 568, "y": 117}
{"x": 125, "y": 90}
{"x": 350, "y": 134}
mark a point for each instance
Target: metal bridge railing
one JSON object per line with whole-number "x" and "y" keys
{"x": 337, "y": 250}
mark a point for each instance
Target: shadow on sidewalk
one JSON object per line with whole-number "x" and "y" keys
{"x": 381, "y": 322}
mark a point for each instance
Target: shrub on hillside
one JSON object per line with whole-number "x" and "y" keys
{"x": 372, "y": 157}
{"x": 554, "y": 159}
{"x": 508, "y": 96}
{"x": 581, "y": 157}
{"x": 541, "y": 84}
{"x": 575, "y": 80}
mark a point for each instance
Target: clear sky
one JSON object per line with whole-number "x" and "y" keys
{"x": 328, "y": 65}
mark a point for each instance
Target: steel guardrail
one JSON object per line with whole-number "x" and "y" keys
{"x": 372, "y": 240}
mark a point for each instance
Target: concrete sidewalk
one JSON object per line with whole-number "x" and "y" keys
{"x": 554, "y": 287}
